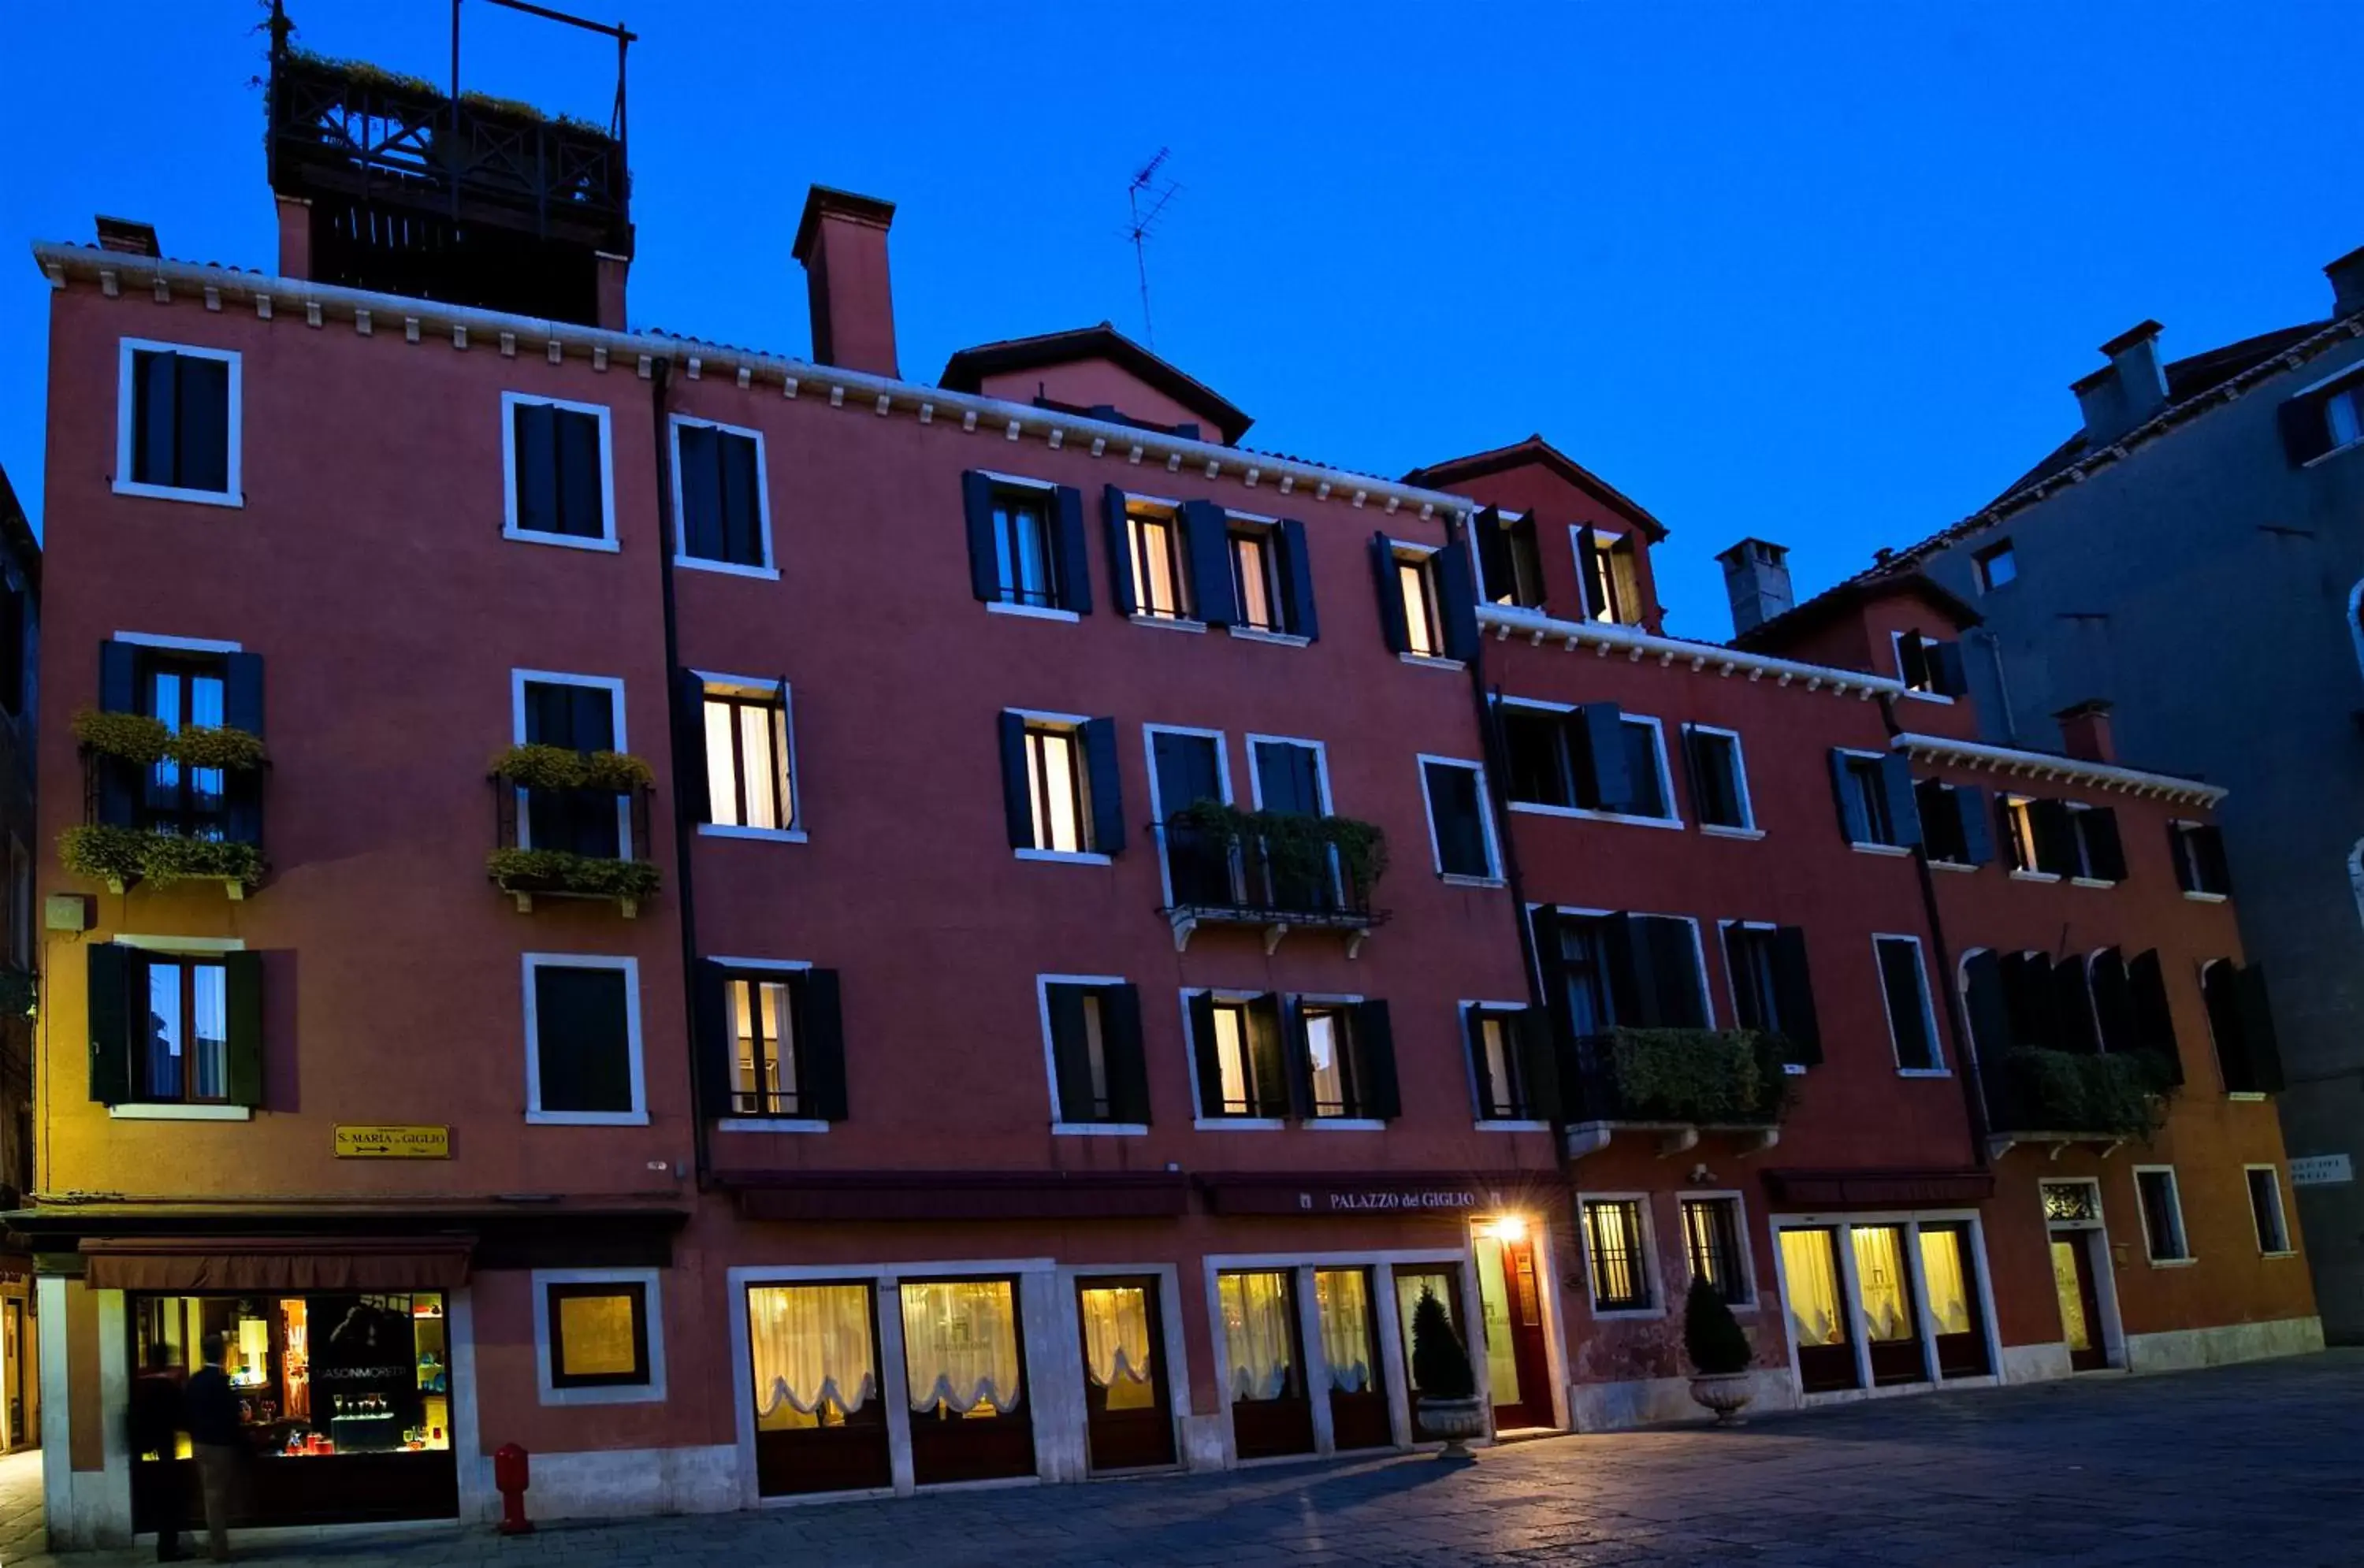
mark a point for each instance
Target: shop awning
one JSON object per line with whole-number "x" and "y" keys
{"x": 1880, "y": 1188}
{"x": 276, "y": 1263}
{"x": 1331, "y": 1194}
{"x": 959, "y": 1194}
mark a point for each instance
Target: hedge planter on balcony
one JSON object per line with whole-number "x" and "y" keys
{"x": 526, "y": 874}
{"x": 138, "y": 739}
{"x": 1278, "y": 870}
{"x": 121, "y": 856}
{"x": 562, "y": 767}
{"x": 2114, "y": 1094}
{"x": 1683, "y": 1077}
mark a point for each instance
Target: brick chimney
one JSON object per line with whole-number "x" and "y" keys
{"x": 2347, "y": 275}
{"x": 127, "y": 237}
{"x": 2128, "y": 391}
{"x": 842, "y": 240}
{"x": 1757, "y": 575}
{"x": 2085, "y": 730}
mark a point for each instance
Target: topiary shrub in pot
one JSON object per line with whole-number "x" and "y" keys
{"x": 1720, "y": 1354}
{"x": 1449, "y": 1405}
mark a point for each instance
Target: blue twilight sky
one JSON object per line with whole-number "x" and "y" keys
{"x": 1817, "y": 273}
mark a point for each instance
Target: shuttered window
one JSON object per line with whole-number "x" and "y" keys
{"x": 744, "y": 738}
{"x": 1772, "y": 989}
{"x": 1513, "y": 1064}
{"x": 1509, "y": 559}
{"x": 2199, "y": 865}
{"x": 1929, "y": 667}
{"x": 2162, "y": 1212}
{"x": 179, "y": 429}
{"x": 1905, "y": 986}
{"x": 1719, "y": 778}
{"x": 771, "y": 1043}
{"x": 1026, "y": 544}
{"x": 585, "y": 1041}
{"x": 1239, "y": 1056}
{"x": 1342, "y": 1058}
{"x": 577, "y": 717}
{"x": 1458, "y": 831}
{"x": 719, "y": 477}
{"x": 1876, "y": 801}
{"x": 1061, "y": 793}
{"x": 171, "y": 1027}
{"x": 557, "y": 470}
{"x": 1099, "y": 1076}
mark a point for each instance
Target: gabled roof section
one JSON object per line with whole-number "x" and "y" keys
{"x": 966, "y": 371}
{"x": 1887, "y": 580}
{"x": 1448, "y": 475}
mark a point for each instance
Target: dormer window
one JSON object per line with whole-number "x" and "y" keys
{"x": 1509, "y": 559}
{"x": 1930, "y": 668}
{"x": 1612, "y": 593}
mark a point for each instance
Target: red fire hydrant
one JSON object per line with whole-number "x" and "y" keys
{"x": 512, "y": 1475}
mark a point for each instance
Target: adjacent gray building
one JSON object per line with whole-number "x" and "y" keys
{"x": 2194, "y": 556}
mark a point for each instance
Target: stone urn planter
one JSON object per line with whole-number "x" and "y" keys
{"x": 1455, "y": 1421}
{"x": 1726, "y": 1394}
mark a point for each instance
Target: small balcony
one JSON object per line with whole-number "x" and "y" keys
{"x": 1273, "y": 872}
{"x": 572, "y": 825}
{"x": 162, "y": 805}
{"x": 1677, "y": 1083}
{"x": 2074, "y": 1097}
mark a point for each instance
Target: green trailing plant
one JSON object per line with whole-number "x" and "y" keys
{"x": 1712, "y": 1337}
{"x": 218, "y": 746}
{"x": 138, "y": 739}
{"x": 1697, "y": 1075}
{"x": 1295, "y": 845}
{"x": 116, "y": 856}
{"x": 560, "y": 767}
{"x": 1440, "y": 1362}
{"x": 363, "y": 73}
{"x": 2117, "y": 1093}
{"x": 563, "y": 870}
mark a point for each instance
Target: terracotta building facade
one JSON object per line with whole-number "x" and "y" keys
{"x": 771, "y": 929}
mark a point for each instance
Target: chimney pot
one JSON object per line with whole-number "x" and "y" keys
{"x": 842, "y": 240}
{"x": 1757, "y": 575}
{"x": 2085, "y": 730}
{"x": 2347, "y": 275}
{"x": 2126, "y": 392}
{"x": 127, "y": 237}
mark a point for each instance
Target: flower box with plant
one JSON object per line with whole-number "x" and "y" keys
{"x": 1683, "y": 1077}
{"x": 121, "y": 856}
{"x": 144, "y": 740}
{"x": 1449, "y": 1406}
{"x": 1287, "y": 856}
{"x": 561, "y": 873}
{"x": 1719, "y": 1351}
{"x": 2105, "y": 1093}
{"x": 562, "y": 767}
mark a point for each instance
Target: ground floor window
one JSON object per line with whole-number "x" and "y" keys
{"x": 1711, "y": 1238}
{"x": 1890, "y": 1302}
{"x": 1270, "y": 1412}
{"x": 813, "y": 1352}
{"x": 1128, "y": 1413}
{"x": 965, "y": 1370}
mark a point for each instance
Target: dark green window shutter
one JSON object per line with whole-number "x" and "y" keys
{"x": 1793, "y": 994}
{"x": 701, "y": 472}
{"x": 1675, "y": 962}
{"x": 1971, "y": 810}
{"x": 1297, "y": 579}
{"x": 1854, "y": 825}
{"x": 119, "y": 692}
{"x": 1633, "y": 987}
{"x": 110, "y": 971}
{"x": 2113, "y": 1001}
{"x": 1551, "y": 965}
{"x": 534, "y": 464}
{"x": 2263, "y": 1047}
{"x": 1296, "y": 1057}
{"x": 2068, "y": 1021}
{"x": 1070, "y": 1053}
{"x": 1017, "y": 805}
{"x": 242, "y": 709}
{"x": 582, "y": 510}
{"x": 202, "y": 440}
{"x": 1128, "y": 1063}
{"x": 2027, "y": 994}
{"x": 154, "y": 455}
{"x": 1901, "y": 980}
{"x": 1122, "y": 591}
{"x": 1456, "y": 603}
{"x": 2102, "y": 845}
{"x": 2208, "y": 850}
{"x": 1903, "y": 808}
{"x": 1207, "y": 540}
{"x": 2056, "y": 837}
{"x": 1393, "y": 629}
{"x": 1538, "y": 1065}
{"x": 743, "y": 501}
{"x": 821, "y": 1016}
{"x": 1599, "y": 732}
{"x": 689, "y": 767}
{"x": 2154, "y": 1020}
{"x": 717, "y": 1043}
{"x": 2305, "y": 427}
{"x": 1074, "y": 558}
{"x": 583, "y": 1038}
{"x": 1276, "y": 1090}
{"x": 1455, "y": 818}
{"x": 1107, "y": 785}
{"x": 1494, "y": 555}
{"x": 242, "y": 1018}
{"x": 1588, "y": 575}
{"x": 1205, "y": 1065}
{"x": 1947, "y": 677}
{"x": 1374, "y": 1063}
{"x": 984, "y": 567}
{"x": 1990, "y": 1013}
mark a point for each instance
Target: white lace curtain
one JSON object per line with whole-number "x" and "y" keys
{"x": 960, "y": 1345}
{"x": 1949, "y": 1289}
{"x": 1880, "y": 1280}
{"x": 812, "y": 1347}
{"x": 1345, "y": 1298}
{"x": 1116, "y": 1334}
{"x": 1257, "y": 1336}
{"x": 1810, "y": 1277}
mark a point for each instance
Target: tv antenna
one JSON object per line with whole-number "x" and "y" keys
{"x": 1147, "y": 196}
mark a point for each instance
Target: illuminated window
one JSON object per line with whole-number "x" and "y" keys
{"x": 1237, "y": 1042}
{"x": 1416, "y": 585}
{"x": 749, "y": 777}
{"x": 1054, "y": 788}
{"x": 1161, "y": 575}
{"x": 1615, "y": 1244}
{"x": 764, "y": 1045}
{"x": 598, "y": 1335}
{"x": 1711, "y": 1241}
{"x": 1509, "y": 558}
{"x": 1255, "y": 578}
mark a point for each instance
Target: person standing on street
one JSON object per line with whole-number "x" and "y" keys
{"x": 156, "y": 1427}
{"x": 211, "y": 1410}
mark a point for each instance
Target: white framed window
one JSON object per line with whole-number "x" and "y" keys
{"x": 2266, "y": 1210}
{"x": 1024, "y": 548}
{"x": 557, "y": 473}
{"x": 1605, "y": 571}
{"x": 1254, "y": 550}
{"x": 2021, "y": 843}
{"x": 2200, "y": 867}
{"x": 583, "y": 1065}
{"x": 721, "y": 504}
{"x": 1904, "y": 996}
{"x": 1500, "y": 1045}
{"x": 1593, "y": 760}
{"x": 1922, "y": 664}
{"x": 1460, "y": 821}
{"x": 1719, "y": 780}
{"x": 179, "y": 422}
{"x": 598, "y": 1336}
{"x": 575, "y": 713}
{"x": 1091, "y": 1050}
{"x": 750, "y": 759}
{"x": 1870, "y": 804}
{"x": 1509, "y": 558}
{"x": 1161, "y": 566}
{"x": 1619, "y": 1255}
{"x": 1715, "y": 1245}
{"x": 1058, "y": 788}
{"x": 1417, "y": 590}
{"x": 1995, "y": 566}
{"x": 2162, "y": 1215}
{"x": 1238, "y": 1054}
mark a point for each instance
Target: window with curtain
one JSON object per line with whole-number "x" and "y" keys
{"x": 1256, "y": 577}
{"x": 1416, "y": 582}
{"x": 960, "y": 1346}
{"x": 1945, "y": 1280}
{"x": 1343, "y": 1299}
{"x": 1161, "y": 578}
{"x": 1810, "y": 1278}
{"x": 1259, "y": 1334}
{"x": 1612, "y": 1237}
{"x": 1712, "y": 1237}
{"x": 186, "y": 1054}
{"x": 747, "y": 775}
{"x": 812, "y": 1353}
{"x": 1055, "y": 788}
{"x": 763, "y": 1055}
{"x": 1881, "y": 1282}
{"x": 183, "y": 693}
{"x": 1024, "y": 557}
{"x": 1118, "y": 1353}
{"x": 598, "y": 1335}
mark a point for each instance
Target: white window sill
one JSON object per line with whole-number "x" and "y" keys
{"x": 1344, "y": 1124}
{"x": 769, "y": 1124}
{"x": 2205, "y": 897}
{"x": 2090, "y": 882}
{"x": 1430, "y": 662}
{"x": 2326, "y": 457}
{"x": 727, "y": 568}
{"x": 1513, "y": 1126}
{"x": 618, "y": 1394}
{"x": 1928, "y": 696}
{"x": 586, "y": 1118}
{"x": 1629, "y": 1314}
{"x": 1099, "y": 1129}
{"x": 1581, "y": 814}
{"x": 563, "y": 541}
{"x": 1951, "y": 865}
{"x": 181, "y": 1113}
{"x": 1896, "y": 851}
{"x": 2245, "y": 1096}
{"x": 1924, "y": 1073}
{"x": 1064, "y": 857}
{"x": 2285, "y": 1252}
{"x": 1239, "y": 1124}
{"x": 2036, "y": 876}
{"x": 1461, "y": 879}
{"x": 2172, "y": 1262}
{"x": 1166, "y": 623}
{"x": 1716, "y": 830}
{"x": 772, "y": 835}
{"x": 174, "y": 493}
{"x": 1280, "y": 638}
{"x": 1030, "y": 612}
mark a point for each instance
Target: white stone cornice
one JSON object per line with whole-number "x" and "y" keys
{"x": 2050, "y": 768}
